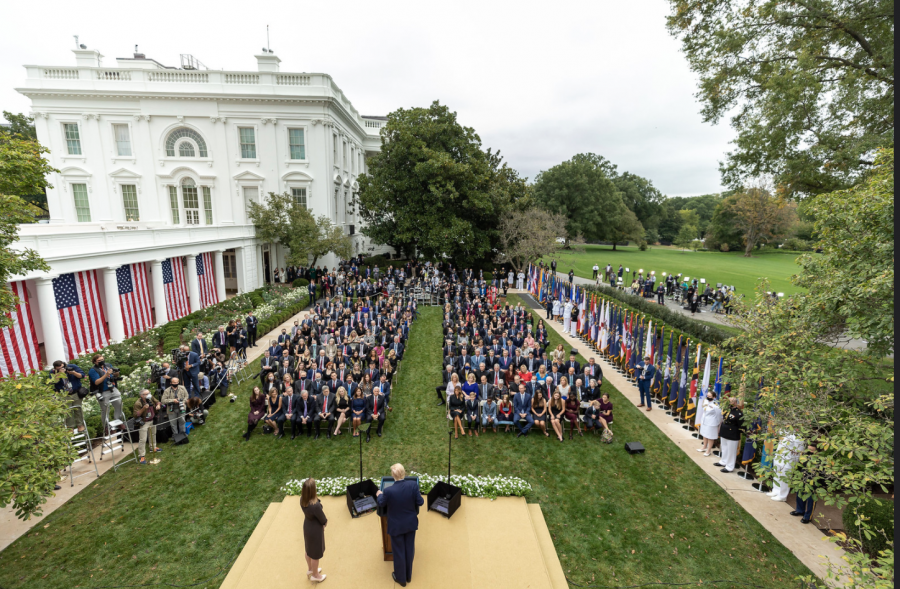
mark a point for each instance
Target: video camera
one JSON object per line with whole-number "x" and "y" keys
{"x": 179, "y": 357}
{"x": 157, "y": 372}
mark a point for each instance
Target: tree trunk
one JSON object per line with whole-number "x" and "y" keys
{"x": 614, "y": 245}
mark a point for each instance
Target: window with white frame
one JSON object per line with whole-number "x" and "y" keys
{"x": 82, "y": 204}
{"x": 334, "y": 151}
{"x": 173, "y": 203}
{"x": 299, "y": 195}
{"x": 191, "y": 202}
{"x": 130, "y": 202}
{"x": 297, "y": 144}
{"x": 207, "y": 205}
{"x": 123, "y": 140}
{"x": 248, "y": 142}
{"x": 73, "y": 138}
{"x": 183, "y": 140}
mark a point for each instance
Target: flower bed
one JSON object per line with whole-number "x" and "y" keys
{"x": 471, "y": 485}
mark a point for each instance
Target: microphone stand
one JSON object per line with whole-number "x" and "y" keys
{"x": 360, "y": 460}
{"x": 449, "y": 455}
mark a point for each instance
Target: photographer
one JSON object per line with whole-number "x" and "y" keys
{"x": 164, "y": 379}
{"x": 71, "y": 383}
{"x": 174, "y": 399}
{"x": 218, "y": 379}
{"x": 196, "y": 412}
{"x": 144, "y": 411}
{"x": 192, "y": 371}
{"x": 102, "y": 379}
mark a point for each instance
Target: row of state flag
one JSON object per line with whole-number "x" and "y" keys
{"x": 80, "y": 309}
{"x": 625, "y": 336}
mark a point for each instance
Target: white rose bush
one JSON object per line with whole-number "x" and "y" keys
{"x": 471, "y": 485}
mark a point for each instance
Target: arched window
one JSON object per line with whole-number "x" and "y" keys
{"x": 183, "y": 151}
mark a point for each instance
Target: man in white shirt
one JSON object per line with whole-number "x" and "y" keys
{"x": 567, "y": 316}
{"x": 596, "y": 271}
{"x": 520, "y": 280}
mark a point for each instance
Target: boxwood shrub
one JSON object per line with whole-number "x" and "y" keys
{"x": 880, "y": 518}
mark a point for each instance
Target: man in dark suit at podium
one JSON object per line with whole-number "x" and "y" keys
{"x": 401, "y": 500}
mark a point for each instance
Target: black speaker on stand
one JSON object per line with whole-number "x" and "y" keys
{"x": 361, "y": 495}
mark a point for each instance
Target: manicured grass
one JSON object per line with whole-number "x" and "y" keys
{"x": 728, "y": 268}
{"x": 616, "y": 519}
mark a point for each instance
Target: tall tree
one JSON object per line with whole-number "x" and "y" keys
{"x": 704, "y": 205}
{"x": 810, "y": 384}
{"x": 432, "y": 190}
{"x": 282, "y": 219}
{"x": 582, "y": 190}
{"x": 19, "y": 125}
{"x": 642, "y": 198}
{"x": 760, "y": 216}
{"x": 527, "y": 235}
{"x": 810, "y": 83}
{"x": 686, "y": 236}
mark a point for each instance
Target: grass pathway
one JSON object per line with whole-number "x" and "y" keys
{"x": 615, "y": 519}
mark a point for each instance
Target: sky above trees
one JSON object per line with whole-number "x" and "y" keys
{"x": 538, "y": 81}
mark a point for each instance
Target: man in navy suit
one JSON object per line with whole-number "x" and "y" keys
{"x": 402, "y": 500}
{"x": 192, "y": 371}
{"x": 522, "y": 411}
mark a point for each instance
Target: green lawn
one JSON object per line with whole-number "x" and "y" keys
{"x": 730, "y": 268}
{"x": 616, "y": 519}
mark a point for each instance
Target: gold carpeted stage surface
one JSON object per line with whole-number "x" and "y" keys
{"x": 454, "y": 553}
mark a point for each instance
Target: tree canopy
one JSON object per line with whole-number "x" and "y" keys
{"x": 582, "y": 190}
{"x": 281, "y": 219}
{"x": 527, "y": 235}
{"x": 810, "y": 84}
{"x": 433, "y": 191}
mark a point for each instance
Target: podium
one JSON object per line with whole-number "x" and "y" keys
{"x": 382, "y": 515}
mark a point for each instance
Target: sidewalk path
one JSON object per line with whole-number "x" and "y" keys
{"x": 806, "y": 542}
{"x": 11, "y": 527}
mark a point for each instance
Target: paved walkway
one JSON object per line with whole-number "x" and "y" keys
{"x": 806, "y": 542}
{"x": 704, "y": 314}
{"x": 11, "y": 527}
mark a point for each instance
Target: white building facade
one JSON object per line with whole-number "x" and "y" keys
{"x": 158, "y": 162}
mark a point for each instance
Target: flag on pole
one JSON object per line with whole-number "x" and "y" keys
{"x": 682, "y": 382}
{"x": 177, "y": 303}
{"x": 208, "y": 294}
{"x": 134, "y": 297}
{"x": 718, "y": 385}
{"x": 704, "y": 386}
{"x": 80, "y": 311}
{"x": 19, "y": 342}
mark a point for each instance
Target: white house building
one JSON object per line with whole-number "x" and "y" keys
{"x": 159, "y": 162}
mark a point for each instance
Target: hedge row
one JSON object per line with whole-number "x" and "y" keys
{"x": 681, "y": 324}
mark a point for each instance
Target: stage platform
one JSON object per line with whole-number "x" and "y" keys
{"x": 461, "y": 552}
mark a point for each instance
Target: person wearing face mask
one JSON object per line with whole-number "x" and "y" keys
{"x": 174, "y": 399}
{"x": 145, "y": 409}
{"x": 710, "y": 420}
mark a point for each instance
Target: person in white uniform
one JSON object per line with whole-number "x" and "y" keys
{"x": 509, "y": 278}
{"x": 787, "y": 454}
{"x": 567, "y": 316}
{"x": 556, "y": 309}
{"x": 710, "y": 420}
{"x": 520, "y": 280}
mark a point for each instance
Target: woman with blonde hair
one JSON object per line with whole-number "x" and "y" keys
{"x": 313, "y": 530}
{"x": 342, "y": 407}
{"x": 456, "y": 406}
{"x": 558, "y": 355}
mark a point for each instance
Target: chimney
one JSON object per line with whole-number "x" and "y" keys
{"x": 87, "y": 57}
{"x": 267, "y": 62}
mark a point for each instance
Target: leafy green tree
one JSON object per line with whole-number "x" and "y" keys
{"x": 281, "y": 219}
{"x": 761, "y": 217}
{"x": 670, "y": 223}
{"x": 527, "y": 235}
{"x": 433, "y": 191}
{"x": 690, "y": 218}
{"x": 704, "y": 205}
{"x": 686, "y": 235}
{"x": 582, "y": 190}
{"x": 19, "y": 125}
{"x": 34, "y": 444}
{"x": 624, "y": 228}
{"x": 23, "y": 170}
{"x": 838, "y": 399}
{"x": 642, "y": 198}
{"x": 721, "y": 228}
{"x": 810, "y": 83}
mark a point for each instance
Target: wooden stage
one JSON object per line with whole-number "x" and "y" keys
{"x": 461, "y": 552}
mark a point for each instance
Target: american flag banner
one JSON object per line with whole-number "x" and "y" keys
{"x": 134, "y": 296}
{"x": 80, "y": 312}
{"x": 208, "y": 294}
{"x": 19, "y": 344}
{"x": 177, "y": 303}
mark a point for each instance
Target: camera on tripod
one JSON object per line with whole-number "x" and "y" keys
{"x": 179, "y": 356}
{"x": 157, "y": 372}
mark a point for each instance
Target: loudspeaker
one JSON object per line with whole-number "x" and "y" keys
{"x": 634, "y": 447}
{"x": 180, "y": 439}
{"x": 444, "y": 498}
